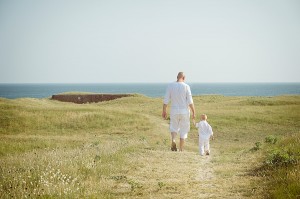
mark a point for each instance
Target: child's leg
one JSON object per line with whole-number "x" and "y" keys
{"x": 201, "y": 146}
{"x": 206, "y": 146}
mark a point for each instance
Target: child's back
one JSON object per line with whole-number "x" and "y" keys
{"x": 205, "y": 132}
{"x": 204, "y": 129}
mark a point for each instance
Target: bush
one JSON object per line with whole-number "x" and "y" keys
{"x": 271, "y": 139}
{"x": 280, "y": 158}
{"x": 256, "y": 147}
{"x": 280, "y": 169}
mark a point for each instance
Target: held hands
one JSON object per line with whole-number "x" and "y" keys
{"x": 193, "y": 116}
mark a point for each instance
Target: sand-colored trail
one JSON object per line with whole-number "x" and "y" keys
{"x": 167, "y": 174}
{"x": 162, "y": 173}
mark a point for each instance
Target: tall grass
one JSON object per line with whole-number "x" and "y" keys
{"x": 120, "y": 149}
{"x": 51, "y": 149}
{"x": 243, "y": 123}
{"x": 280, "y": 166}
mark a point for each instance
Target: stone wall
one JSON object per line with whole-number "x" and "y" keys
{"x": 87, "y": 98}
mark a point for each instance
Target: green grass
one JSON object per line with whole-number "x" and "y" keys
{"x": 281, "y": 166}
{"x": 120, "y": 149}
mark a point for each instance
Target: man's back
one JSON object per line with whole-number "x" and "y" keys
{"x": 179, "y": 93}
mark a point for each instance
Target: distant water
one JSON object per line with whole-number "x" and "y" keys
{"x": 152, "y": 89}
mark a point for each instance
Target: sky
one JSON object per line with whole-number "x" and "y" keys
{"x": 149, "y": 41}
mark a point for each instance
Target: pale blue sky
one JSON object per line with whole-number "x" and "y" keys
{"x": 60, "y": 41}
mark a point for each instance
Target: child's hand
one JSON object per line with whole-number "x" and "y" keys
{"x": 212, "y": 137}
{"x": 194, "y": 122}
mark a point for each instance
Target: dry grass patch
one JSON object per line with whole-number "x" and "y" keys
{"x": 120, "y": 148}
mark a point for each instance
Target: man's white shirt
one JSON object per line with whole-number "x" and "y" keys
{"x": 180, "y": 95}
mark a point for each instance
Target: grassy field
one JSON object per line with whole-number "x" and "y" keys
{"x": 121, "y": 149}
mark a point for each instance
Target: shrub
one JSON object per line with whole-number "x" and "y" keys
{"x": 256, "y": 147}
{"x": 280, "y": 169}
{"x": 161, "y": 185}
{"x": 280, "y": 158}
{"x": 271, "y": 139}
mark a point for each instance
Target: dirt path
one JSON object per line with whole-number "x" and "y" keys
{"x": 167, "y": 174}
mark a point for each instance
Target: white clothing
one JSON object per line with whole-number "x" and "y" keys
{"x": 205, "y": 132}
{"x": 204, "y": 129}
{"x": 180, "y": 95}
{"x": 203, "y": 145}
{"x": 180, "y": 123}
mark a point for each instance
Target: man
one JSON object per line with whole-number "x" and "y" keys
{"x": 179, "y": 93}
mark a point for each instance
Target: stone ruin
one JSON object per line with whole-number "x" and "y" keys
{"x": 87, "y": 98}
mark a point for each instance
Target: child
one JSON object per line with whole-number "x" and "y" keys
{"x": 204, "y": 132}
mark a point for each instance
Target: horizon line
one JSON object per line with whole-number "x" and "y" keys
{"x": 144, "y": 82}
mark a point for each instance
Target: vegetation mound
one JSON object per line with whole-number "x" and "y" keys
{"x": 121, "y": 149}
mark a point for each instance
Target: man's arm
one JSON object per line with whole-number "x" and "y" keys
{"x": 193, "y": 111}
{"x": 164, "y": 112}
{"x": 190, "y": 101}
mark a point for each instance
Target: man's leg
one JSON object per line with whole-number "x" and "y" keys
{"x": 173, "y": 130}
{"x": 181, "y": 144}
{"x": 184, "y": 126}
{"x": 173, "y": 144}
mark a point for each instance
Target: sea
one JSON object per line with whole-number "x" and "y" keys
{"x": 34, "y": 90}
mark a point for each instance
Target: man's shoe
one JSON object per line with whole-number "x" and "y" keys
{"x": 173, "y": 148}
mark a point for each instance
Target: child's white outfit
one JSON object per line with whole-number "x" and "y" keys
{"x": 204, "y": 132}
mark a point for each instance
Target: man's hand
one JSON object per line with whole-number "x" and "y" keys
{"x": 193, "y": 111}
{"x": 164, "y": 112}
{"x": 194, "y": 122}
{"x": 164, "y": 115}
{"x": 193, "y": 116}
